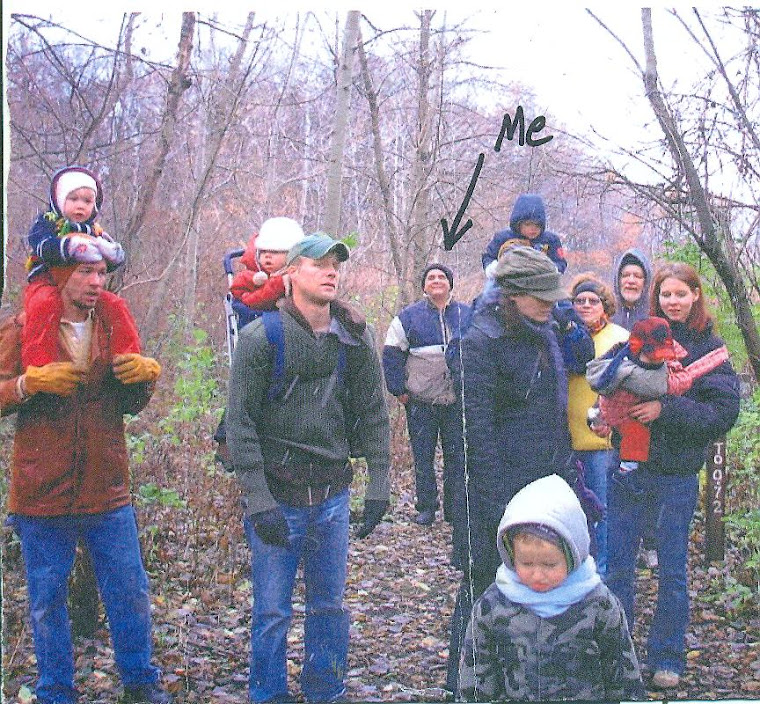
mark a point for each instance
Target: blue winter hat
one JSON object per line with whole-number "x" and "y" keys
{"x": 316, "y": 246}
{"x": 528, "y": 206}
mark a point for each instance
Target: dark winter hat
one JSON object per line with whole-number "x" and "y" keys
{"x": 524, "y": 270}
{"x": 528, "y": 206}
{"x": 71, "y": 178}
{"x": 544, "y": 533}
{"x": 653, "y": 337}
{"x": 317, "y": 246}
{"x": 630, "y": 258}
{"x": 439, "y": 267}
{"x": 586, "y": 286}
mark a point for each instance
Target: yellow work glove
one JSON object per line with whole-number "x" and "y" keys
{"x": 59, "y": 378}
{"x": 133, "y": 368}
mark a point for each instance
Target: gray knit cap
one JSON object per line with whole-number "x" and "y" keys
{"x": 524, "y": 270}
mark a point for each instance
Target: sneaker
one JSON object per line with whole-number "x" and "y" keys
{"x": 147, "y": 694}
{"x": 425, "y": 518}
{"x": 650, "y": 558}
{"x": 665, "y": 679}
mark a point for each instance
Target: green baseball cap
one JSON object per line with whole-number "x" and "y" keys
{"x": 317, "y": 246}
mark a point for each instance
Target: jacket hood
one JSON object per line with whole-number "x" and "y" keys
{"x": 549, "y": 502}
{"x": 528, "y": 206}
{"x": 641, "y": 309}
{"x": 249, "y": 259}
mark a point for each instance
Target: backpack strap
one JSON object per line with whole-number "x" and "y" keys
{"x": 341, "y": 368}
{"x": 276, "y": 338}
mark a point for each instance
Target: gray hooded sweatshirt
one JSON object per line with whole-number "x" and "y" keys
{"x": 625, "y": 316}
{"x": 584, "y": 653}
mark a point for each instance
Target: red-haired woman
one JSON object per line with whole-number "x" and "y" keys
{"x": 682, "y": 428}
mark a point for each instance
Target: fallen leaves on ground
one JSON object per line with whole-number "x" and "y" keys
{"x": 400, "y": 594}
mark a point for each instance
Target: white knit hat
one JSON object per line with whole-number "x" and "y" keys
{"x": 71, "y": 180}
{"x": 279, "y": 234}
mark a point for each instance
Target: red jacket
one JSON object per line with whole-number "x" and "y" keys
{"x": 69, "y": 454}
{"x": 262, "y": 297}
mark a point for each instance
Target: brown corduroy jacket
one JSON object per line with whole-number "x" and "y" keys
{"x": 69, "y": 454}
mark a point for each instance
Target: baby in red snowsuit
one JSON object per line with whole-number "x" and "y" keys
{"x": 60, "y": 239}
{"x": 262, "y": 283}
{"x": 643, "y": 369}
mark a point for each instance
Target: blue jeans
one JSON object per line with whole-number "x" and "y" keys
{"x": 48, "y": 546}
{"x": 631, "y": 498}
{"x": 319, "y": 536}
{"x": 597, "y": 465}
{"x": 425, "y": 423}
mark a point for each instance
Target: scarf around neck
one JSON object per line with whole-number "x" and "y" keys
{"x": 578, "y": 584}
{"x": 546, "y": 331}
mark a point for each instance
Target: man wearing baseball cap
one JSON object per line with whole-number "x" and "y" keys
{"x": 290, "y": 445}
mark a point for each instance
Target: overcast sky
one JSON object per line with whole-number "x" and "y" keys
{"x": 577, "y": 72}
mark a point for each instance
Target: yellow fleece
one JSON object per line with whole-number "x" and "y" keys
{"x": 580, "y": 397}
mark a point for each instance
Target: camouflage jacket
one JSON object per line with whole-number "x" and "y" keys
{"x": 585, "y": 653}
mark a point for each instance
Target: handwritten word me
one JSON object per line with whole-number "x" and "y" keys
{"x": 508, "y": 127}
{"x": 452, "y": 234}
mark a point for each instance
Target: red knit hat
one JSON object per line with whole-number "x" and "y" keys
{"x": 653, "y": 337}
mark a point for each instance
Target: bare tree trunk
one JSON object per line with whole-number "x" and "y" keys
{"x": 419, "y": 235}
{"x": 343, "y": 103}
{"x": 396, "y": 246}
{"x": 223, "y": 107}
{"x": 221, "y": 116}
{"x": 178, "y": 84}
{"x": 708, "y": 237}
{"x": 83, "y": 595}
{"x": 307, "y": 140}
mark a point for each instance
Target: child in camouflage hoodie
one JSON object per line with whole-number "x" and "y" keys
{"x": 548, "y": 628}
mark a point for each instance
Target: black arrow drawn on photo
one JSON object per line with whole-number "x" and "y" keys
{"x": 453, "y": 235}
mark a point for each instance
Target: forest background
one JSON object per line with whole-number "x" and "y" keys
{"x": 372, "y": 130}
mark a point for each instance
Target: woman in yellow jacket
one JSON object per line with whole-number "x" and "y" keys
{"x": 594, "y": 302}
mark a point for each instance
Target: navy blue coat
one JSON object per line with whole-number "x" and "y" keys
{"x": 689, "y": 423}
{"x": 514, "y": 390}
{"x": 422, "y": 328}
{"x": 528, "y": 206}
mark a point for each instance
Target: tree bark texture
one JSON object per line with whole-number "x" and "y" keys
{"x": 342, "y": 106}
{"x": 709, "y": 237}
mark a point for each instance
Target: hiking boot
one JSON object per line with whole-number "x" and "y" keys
{"x": 147, "y": 694}
{"x": 665, "y": 679}
{"x": 425, "y": 518}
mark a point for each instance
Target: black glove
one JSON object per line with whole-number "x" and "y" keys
{"x": 271, "y": 527}
{"x": 565, "y": 315}
{"x": 374, "y": 510}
